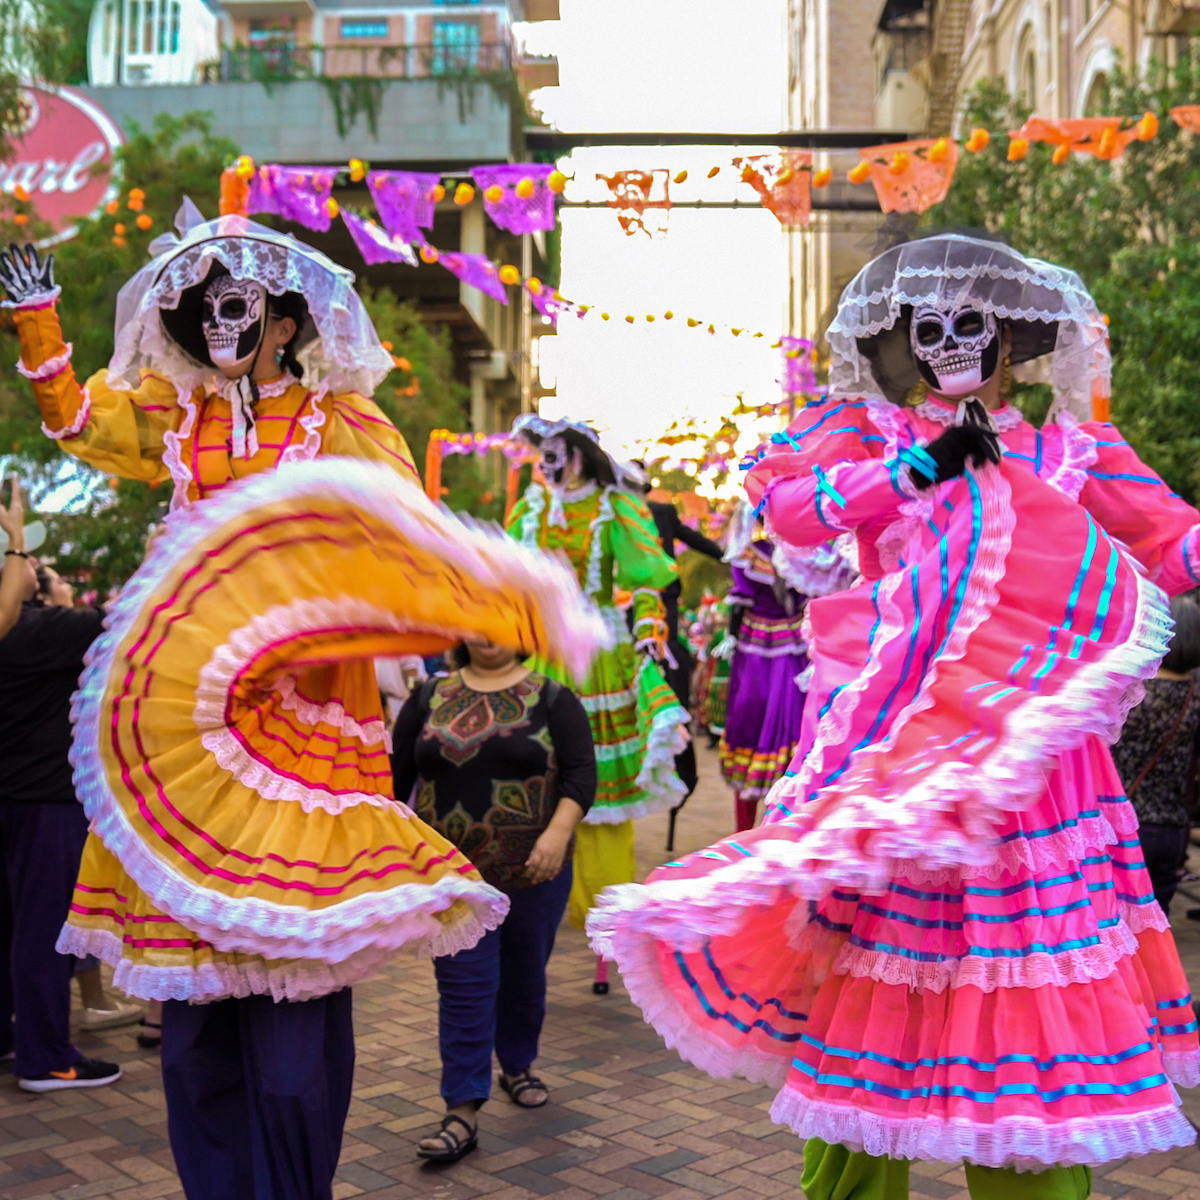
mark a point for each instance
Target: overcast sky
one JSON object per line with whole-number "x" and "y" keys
{"x": 629, "y": 65}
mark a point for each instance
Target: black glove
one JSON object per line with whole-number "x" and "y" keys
{"x": 736, "y": 613}
{"x": 24, "y": 274}
{"x": 953, "y": 449}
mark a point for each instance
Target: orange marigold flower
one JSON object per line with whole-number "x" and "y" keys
{"x": 494, "y": 194}
{"x": 21, "y": 219}
{"x": 145, "y": 221}
{"x": 822, "y": 177}
{"x": 860, "y": 173}
{"x": 1061, "y": 154}
{"x": 464, "y": 194}
{"x": 113, "y": 207}
{"x": 428, "y": 254}
{"x": 509, "y": 274}
{"x": 439, "y": 193}
{"x": 1147, "y": 127}
{"x": 526, "y": 188}
{"x": 1018, "y": 147}
{"x": 939, "y": 151}
{"x": 978, "y": 140}
{"x": 681, "y": 177}
{"x": 557, "y": 182}
{"x": 119, "y": 229}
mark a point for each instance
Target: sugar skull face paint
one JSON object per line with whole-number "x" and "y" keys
{"x": 956, "y": 350}
{"x": 557, "y": 460}
{"x": 233, "y": 322}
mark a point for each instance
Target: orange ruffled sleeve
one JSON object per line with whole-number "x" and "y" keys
{"x": 116, "y": 431}
{"x": 358, "y": 428}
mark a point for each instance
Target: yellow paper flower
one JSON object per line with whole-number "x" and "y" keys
{"x": 464, "y": 194}
{"x": 526, "y": 188}
{"x": 494, "y": 194}
{"x": 1018, "y": 147}
{"x": 509, "y": 274}
{"x": 557, "y": 182}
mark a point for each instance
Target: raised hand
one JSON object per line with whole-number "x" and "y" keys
{"x": 24, "y": 273}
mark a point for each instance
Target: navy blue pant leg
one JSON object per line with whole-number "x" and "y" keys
{"x": 467, "y": 984}
{"x": 526, "y": 940}
{"x": 40, "y": 849}
{"x": 494, "y": 995}
{"x": 257, "y": 1095}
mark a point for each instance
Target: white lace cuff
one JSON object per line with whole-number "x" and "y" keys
{"x": 48, "y": 369}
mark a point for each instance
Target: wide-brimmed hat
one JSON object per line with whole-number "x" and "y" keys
{"x": 158, "y": 310}
{"x": 1046, "y": 309}
{"x": 535, "y": 429}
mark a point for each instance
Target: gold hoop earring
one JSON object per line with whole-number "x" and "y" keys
{"x": 1006, "y": 377}
{"x": 916, "y": 394}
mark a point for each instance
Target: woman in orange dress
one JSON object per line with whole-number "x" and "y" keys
{"x": 247, "y": 860}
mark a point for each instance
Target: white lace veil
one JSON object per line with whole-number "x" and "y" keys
{"x": 1047, "y": 308}
{"x": 342, "y": 349}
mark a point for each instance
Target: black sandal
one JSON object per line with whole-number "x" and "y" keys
{"x": 518, "y": 1085}
{"x": 150, "y": 1041}
{"x": 453, "y": 1147}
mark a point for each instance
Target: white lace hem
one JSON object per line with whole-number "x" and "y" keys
{"x": 281, "y": 978}
{"x": 76, "y": 426}
{"x": 1023, "y": 1142}
{"x": 637, "y": 960}
{"x": 173, "y": 454}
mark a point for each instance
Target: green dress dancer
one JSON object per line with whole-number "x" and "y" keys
{"x": 638, "y": 726}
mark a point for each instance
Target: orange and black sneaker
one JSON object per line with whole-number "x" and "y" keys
{"x": 84, "y": 1073}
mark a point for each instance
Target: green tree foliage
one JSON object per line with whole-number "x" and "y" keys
{"x": 1130, "y": 228}
{"x": 99, "y": 540}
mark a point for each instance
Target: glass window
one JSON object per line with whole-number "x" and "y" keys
{"x": 455, "y": 47}
{"x": 272, "y": 33}
{"x": 457, "y": 3}
{"x": 147, "y": 26}
{"x": 132, "y": 25}
{"x": 175, "y": 9}
{"x": 108, "y": 23}
{"x": 162, "y": 27}
{"x": 364, "y": 29}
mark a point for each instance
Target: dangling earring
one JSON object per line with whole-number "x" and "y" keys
{"x": 916, "y": 394}
{"x": 1006, "y": 377}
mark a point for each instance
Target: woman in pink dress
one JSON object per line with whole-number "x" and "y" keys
{"x": 942, "y": 942}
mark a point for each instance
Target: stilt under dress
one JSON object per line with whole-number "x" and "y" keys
{"x": 942, "y": 943}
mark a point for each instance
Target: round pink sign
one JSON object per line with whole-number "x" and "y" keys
{"x": 64, "y": 156}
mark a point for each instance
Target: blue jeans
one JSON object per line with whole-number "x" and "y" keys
{"x": 494, "y": 995}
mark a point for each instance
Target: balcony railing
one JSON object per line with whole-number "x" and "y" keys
{"x": 283, "y": 62}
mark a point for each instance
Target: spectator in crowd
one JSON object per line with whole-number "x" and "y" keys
{"x": 504, "y": 767}
{"x": 1155, "y": 754}
{"x": 15, "y": 576}
{"x": 42, "y": 831}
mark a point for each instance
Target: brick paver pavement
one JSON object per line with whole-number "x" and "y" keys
{"x": 628, "y": 1120}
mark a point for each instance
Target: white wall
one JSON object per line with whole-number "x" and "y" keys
{"x": 162, "y": 41}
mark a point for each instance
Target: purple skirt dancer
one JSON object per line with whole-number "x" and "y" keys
{"x": 762, "y": 725}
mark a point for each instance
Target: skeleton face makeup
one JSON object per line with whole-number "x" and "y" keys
{"x": 234, "y": 320}
{"x": 557, "y": 461}
{"x": 956, "y": 351}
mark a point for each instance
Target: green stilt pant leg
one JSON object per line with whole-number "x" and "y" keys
{"x": 835, "y": 1173}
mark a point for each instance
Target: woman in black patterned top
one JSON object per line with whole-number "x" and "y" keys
{"x": 1155, "y": 756}
{"x": 500, "y": 761}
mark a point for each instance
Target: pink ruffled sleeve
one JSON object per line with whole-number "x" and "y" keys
{"x": 825, "y": 476}
{"x": 1133, "y": 504}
